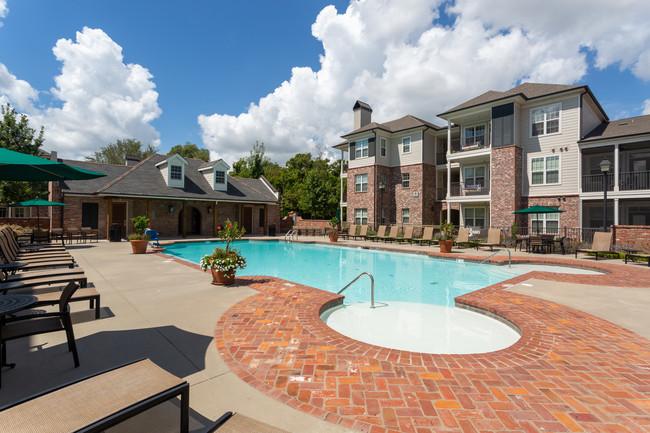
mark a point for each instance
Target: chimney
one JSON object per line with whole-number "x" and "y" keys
{"x": 53, "y": 156}
{"x": 362, "y": 114}
{"x": 132, "y": 160}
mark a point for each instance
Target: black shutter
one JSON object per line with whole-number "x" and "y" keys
{"x": 352, "y": 150}
{"x": 89, "y": 215}
{"x": 372, "y": 144}
{"x": 503, "y": 124}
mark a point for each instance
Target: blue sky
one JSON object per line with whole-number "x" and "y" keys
{"x": 225, "y": 74}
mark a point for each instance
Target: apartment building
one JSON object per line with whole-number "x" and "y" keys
{"x": 535, "y": 144}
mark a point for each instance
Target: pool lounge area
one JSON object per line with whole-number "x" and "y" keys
{"x": 274, "y": 360}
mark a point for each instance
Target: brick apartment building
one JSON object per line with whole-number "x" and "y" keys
{"x": 535, "y": 144}
{"x": 181, "y": 197}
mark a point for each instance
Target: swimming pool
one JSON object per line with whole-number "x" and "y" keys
{"x": 398, "y": 276}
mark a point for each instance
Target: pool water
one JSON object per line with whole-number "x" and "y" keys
{"x": 398, "y": 276}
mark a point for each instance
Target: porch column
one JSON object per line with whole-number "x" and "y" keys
{"x": 616, "y": 211}
{"x": 341, "y": 185}
{"x": 184, "y": 219}
{"x": 214, "y": 219}
{"x": 109, "y": 216}
{"x": 448, "y": 170}
{"x": 616, "y": 171}
{"x": 149, "y": 208}
{"x": 266, "y": 219}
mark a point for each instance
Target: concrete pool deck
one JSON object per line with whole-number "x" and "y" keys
{"x": 577, "y": 372}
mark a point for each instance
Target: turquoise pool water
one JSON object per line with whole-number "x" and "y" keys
{"x": 398, "y": 276}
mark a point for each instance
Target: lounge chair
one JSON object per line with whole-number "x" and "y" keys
{"x": 392, "y": 236}
{"x": 13, "y": 239}
{"x": 381, "y": 231}
{"x": 100, "y": 401}
{"x": 352, "y": 231}
{"x": 49, "y": 277}
{"x": 408, "y": 235}
{"x": 463, "y": 238}
{"x": 49, "y": 295}
{"x": 493, "y": 239}
{"x": 26, "y": 325}
{"x": 363, "y": 232}
{"x": 427, "y": 237}
{"x": 601, "y": 244}
{"x": 235, "y": 423}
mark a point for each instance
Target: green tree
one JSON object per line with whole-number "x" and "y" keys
{"x": 254, "y": 165}
{"x": 16, "y": 135}
{"x": 190, "y": 150}
{"x": 115, "y": 153}
{"x": 319, "y": 198}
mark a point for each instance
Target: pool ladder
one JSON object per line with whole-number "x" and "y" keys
{"x": 494, "y": 254}
{"x": 289, "y": 235}
{"x": 372, "y": 287}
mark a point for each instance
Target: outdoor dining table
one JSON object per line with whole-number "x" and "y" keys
{"x": 10, "y": 304}
{"x": 11, "y": 268}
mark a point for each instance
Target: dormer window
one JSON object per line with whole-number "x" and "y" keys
{"x": 176, "y": 172}
{"x": 219, "y": 176}
{"x": 216, "y": 174}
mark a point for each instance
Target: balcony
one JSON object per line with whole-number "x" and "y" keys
{"x": 441, "y": 194}
{"x": 594, "y": 182}
{"x": 470, "y": 143}
{"x": 627, "y": 181}
{"x": 459, "y": 189}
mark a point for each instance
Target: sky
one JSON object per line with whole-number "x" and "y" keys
{"x": 286, "y": 73}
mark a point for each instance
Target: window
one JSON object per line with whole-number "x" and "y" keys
{"x": 382, "y": 147}
{"x": 90, "y": 215}
{"x": 406, "y": 180}
{"x": 361, "y": 217}
{"x": 545, "y": 120}
{"x": 546, "y": 222}
{"x": 474, "y": 216}
{"x": 406, "y": 144}
{"x": 219, "y": 176}
{"x": 474, "y": 177}
{"x": 406, "y": 216}
{"x": 361, "y": 148}
{"x": 261, "y": 218}
{"x": 19, "y": 212}
{"x": 361, "y": 183}
{"x": 475, "y": 135}
{"x": 176, "y": 172}
{"x": 545, "y": 170}
{"x": 4, "y": 212}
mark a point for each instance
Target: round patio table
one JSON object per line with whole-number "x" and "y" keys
{"x": 10, "y": 304}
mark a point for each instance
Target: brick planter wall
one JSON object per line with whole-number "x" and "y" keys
{"x": 632, "y": 236}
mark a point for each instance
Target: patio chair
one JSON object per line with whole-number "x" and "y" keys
{"x": 363, "y": 232}
{"x": 601, "y": 245}
{"x": 408, "y": 235}
{"x": 537, "y": 244}
{"x": 463, "y": 238}
{"x": 41, "y": 236}
{"x": 493, "y": 239}
{"x": 56, "y": 234}
{"x": 352, "y": 230}
{"x": 392, "y": 236}
{"x": 381, "y": 231}
{"x": 235, "y": 423}
{"x": 49, "y": 295}
{"x": 74, "y": 233}
{"x": 89, "y": 233}
{"x": 99, "y": 401}
{"x": 26, "y": 325}
{"x": 427, "y": 237}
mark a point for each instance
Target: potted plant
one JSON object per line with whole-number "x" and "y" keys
{"x": 446, "y": 241}
{"x": 138, "y": 239}
{"x": 334, "y": 234}
{"x": 223, "y": 262}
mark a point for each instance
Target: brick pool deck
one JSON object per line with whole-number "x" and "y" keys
{"x": 569, "y": 372}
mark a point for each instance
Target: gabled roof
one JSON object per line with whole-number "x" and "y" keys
{"x": 145, "y": 180}
{"x": 527, "y": 91}
{"x": 401, "y": 124}
{"x": 619, "y": 128}
{"x": 211, "y": 164}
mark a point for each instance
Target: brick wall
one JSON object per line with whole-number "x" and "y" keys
{"x": 637, "y": 237}
{"x": 362, "y": 200}
{"x": 505, "y": 184}
{"x": 569, "y": 204}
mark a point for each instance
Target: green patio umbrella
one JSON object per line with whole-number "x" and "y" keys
{"x": 537, "y": 210}
{"x": 37, "y": 202}
{"x": 21, "y": 166}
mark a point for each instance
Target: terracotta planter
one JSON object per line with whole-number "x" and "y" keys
{"x": 445, "y": 245}
{"x": 221, "y": 279}
{"x": 334, "y": 236}
{"x": 139, "y": 246}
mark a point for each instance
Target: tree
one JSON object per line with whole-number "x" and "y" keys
{"x": 16, "y": 135}
{"x": 254, "y": 165}
{"x": 115, "y": 153}
{"x": 319, "y": 198}
{"x": 190, "y": 150}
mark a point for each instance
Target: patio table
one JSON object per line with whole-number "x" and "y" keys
{"x": 11, "y": 268}
{"x": 10, "y": 304}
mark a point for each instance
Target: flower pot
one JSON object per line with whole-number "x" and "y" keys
{"x": 334, "y": 236}
{"x": 139, "y": 246}
{"x": 221, "y": 279}
{"x": 445, "y": 245}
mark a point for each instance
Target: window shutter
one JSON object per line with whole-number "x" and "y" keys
{"x": 352, "y": 150}
{"x": 372, "y": 144}
{"x": 503, "y": 123}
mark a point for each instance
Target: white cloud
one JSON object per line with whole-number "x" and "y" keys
{"x": 398, "y": 57}
{"x": 646, "y": 106}
{"x": 4, "y": 10}
{"x": 102, "y": 98}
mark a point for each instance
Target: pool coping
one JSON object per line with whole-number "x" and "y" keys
{"x": 540, "y": 335}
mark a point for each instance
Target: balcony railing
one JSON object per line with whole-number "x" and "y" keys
{"x": 441, "y": 194}
{"x": 459, "y": 189}
{"x": 470, "y": 143}
{"x": 441, "y": 158}
{"x": 594, "y": 182}
{"x": 633, "y": 180}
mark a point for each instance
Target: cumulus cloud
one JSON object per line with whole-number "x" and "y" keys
{"x": 398, "y": 56}
{"x": 16, "y": 91}
{"x": 646, "y": 106}
{"x": 4, "y": 10}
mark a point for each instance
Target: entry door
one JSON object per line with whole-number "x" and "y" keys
{"x": 248, "y": 219}
{"x": 119, "y": 217}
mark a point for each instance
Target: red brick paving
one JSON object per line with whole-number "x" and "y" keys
{"x": 569, "y": 372}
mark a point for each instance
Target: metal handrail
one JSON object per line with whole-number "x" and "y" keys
{"x": 289, "y": 234}
{"x": 372, "y": 287}
{"x": 492, "y": 255}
